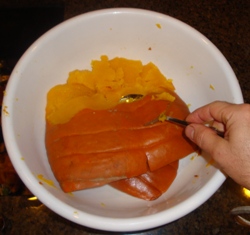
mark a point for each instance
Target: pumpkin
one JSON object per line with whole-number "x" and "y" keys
{"x": 93, "y": 140}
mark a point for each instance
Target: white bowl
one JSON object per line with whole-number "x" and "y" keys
{"x": 200, "y": 73}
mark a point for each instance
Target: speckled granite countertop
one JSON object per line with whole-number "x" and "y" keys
{"x": 226, "y": 24}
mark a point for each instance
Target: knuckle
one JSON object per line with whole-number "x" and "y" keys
{"x": 245, "y": 110}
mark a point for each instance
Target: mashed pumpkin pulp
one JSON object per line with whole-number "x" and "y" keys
{"x": 103, "y": 86}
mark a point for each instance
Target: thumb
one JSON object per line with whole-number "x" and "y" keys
{"x": 203, "y": 136}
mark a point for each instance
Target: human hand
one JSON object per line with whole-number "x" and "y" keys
{"x": 231, "y": 153}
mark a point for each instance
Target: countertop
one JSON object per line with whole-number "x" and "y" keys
{"x": 224, "y": 22}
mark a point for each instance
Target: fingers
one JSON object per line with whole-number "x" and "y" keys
{"x": 218, "y": 110}
{"x": 204, "y": 137}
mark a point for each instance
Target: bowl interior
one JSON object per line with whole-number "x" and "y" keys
{"x": 200, "y": 74}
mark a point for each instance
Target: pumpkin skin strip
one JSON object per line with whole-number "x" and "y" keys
{"x": 74, "y": 185}
{"x": 98, "y": 167}
{"x": 122, "y": 140}
{"x": 137, "y": 187}
{"x": 148, "y": 186}
{"x": 172, "y": 149}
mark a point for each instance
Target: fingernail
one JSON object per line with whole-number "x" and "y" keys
{"x": 190, "y": 132}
